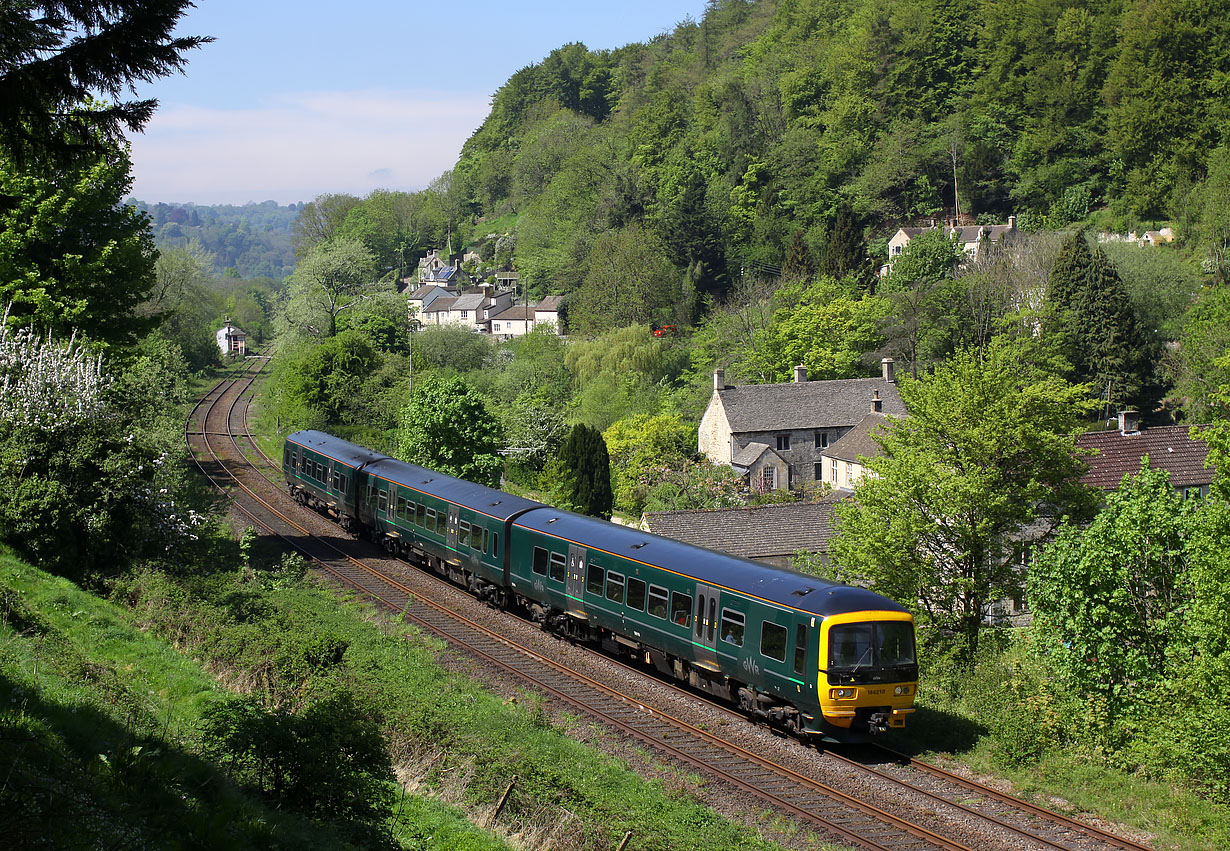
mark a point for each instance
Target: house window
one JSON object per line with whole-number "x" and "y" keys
{"x": 849, "y": 467}
{"x": 768, "y": 479}
{"x": 833, "y": 470}
{"x": 819, "y": 471}
{"x": 495, "y": 327}
{"x": 783, "y": 442}
{"x": 465, "y": 314}
{"x": 822, "y": 440}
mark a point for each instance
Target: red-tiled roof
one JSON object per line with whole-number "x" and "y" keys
{"x": 1168, "y": 447}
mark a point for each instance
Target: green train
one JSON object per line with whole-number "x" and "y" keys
{"x": 818, "y": 659}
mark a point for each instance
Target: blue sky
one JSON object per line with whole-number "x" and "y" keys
{"x": 295, "y": 99}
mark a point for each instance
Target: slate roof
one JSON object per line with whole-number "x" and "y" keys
{"x": 749, "y": 454}
{"x": 469, "y": 301}
{"x": 760, "y": 531}
{"x": 550, "y": 304}
{"x": 1168, "y": 447}
{"x": 425, "y": 290}
{"x": 806, "y": 405}
{"x": 441, "y": 305}
{"x": 857, "y": 441}
{"x": 517, "y": 312}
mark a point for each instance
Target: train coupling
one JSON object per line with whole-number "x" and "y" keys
{"x": 877, "y": 722}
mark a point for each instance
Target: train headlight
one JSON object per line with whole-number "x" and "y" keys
{"x": 842, "y": 693}
{"x": 901, "y": 691}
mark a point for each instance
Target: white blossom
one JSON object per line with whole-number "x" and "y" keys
{"x": 47, "y": 384}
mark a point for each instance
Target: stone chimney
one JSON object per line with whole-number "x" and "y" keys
{"x": 800, "y": 374}
{"x": 877, "y": 404}
{"x": 719, "y": 379}
{"x": 1012, "y": 223}
{"x": 1129, "y": 422}
{"x": 887, "y": 369}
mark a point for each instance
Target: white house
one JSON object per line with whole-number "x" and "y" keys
{"x": 231, "y": 340}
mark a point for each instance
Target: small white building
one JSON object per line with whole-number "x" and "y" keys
{"x": 231, "y": 340}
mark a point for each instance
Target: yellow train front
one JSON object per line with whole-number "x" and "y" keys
{"x": 869, "y": 671}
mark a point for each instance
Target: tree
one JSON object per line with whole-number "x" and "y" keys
{"x": 1092, "y": 317}
{"x": 845, "y": 251}
{"x": 447, "y": 427}
{"x": 1109, "y": 599}
{"x": 58, "y": 56}
{"x": 320, "y": 220}
{"x": 73, "y": 257}
{"x": 585, "y": 468}
{"x": 986, "y": 450}
{"x": 919, "y": 328}
{"x": 335, "y": 277}
{"x": 640, "y": 444}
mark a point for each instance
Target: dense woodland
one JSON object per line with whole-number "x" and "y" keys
{"x": 736, "y": 178}
{"x": 252, "y": 241}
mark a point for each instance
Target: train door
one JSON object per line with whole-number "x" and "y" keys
{"x": 574, "y": 585}
{"x": 450, "y": 531}
{"x": 704, "y": 630}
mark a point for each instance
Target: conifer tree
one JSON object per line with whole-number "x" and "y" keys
{"x": 587, "y": 468}
{"x": 1096, "y": 325}
{"x": 56, "y": 57}
{"x": 845, "y": 253}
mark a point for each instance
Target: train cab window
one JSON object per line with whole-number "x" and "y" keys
{"x": 657, "y": 601}
{"x": 615, "y": 587}
{"x": 559, "y": 568}
{"x": 681, "y": 609}
{"x": 800, "y": 648}
{"x": 287, "y": 455}
{"x": 733, "y": 624}
{"x": 773, "y": 641}
{"x": 463, "y": 534}
{"x": 420, "y": 515}
{"x": 636, "y": 594}
{"x": 540, "y": 561}
{"x": 593, "y": 581}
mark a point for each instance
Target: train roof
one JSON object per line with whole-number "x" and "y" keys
{"x": 489, "y": 501}
{"x": 348, "y": 453}
{"x": 778, "y": 585}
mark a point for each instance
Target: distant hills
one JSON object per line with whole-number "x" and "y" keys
{"x": 249, "y": 241}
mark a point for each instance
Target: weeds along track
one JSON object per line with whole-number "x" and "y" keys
{"x": 859, "y": 805}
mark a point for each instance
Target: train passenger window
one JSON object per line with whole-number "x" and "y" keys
{"x": 593, "y": 582}
{"x": 540, "y": 561}
{"x": 773, "y": 641}
{"x": 800, "y": 648}
{"x": 384, "y": 501}
{"x": 486, "y": 538}
{"x": 732, "y": 627}
{"x": 463, "y": 534}
{"x": 636, "y": 594}
{"x": 657, "y": 601}
{"x": 430, "y": 524}
{"x": 420, "y": 515}
{"x": 558, "y": 567}
{"x": 681, "y": 609}
{"x": 401, "y": 508}
{"x": 615, "y": 587}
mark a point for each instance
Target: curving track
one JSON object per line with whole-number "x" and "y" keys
{"x": 896, "y": 814}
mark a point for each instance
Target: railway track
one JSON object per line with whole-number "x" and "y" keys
{"x": 912, "y": 817}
